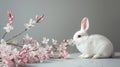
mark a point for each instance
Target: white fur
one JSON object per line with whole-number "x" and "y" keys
{"x": 92, "y": 46}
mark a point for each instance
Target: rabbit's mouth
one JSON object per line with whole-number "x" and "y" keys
{"x": 74, "y": 42}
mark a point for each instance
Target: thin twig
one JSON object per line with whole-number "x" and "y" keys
{"x": 4, "y": 35}
{"x": 17, "y": 34}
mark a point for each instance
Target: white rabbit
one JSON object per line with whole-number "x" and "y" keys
{"x": 92, "y": 46}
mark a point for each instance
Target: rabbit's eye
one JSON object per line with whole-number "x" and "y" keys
{"x": 79, "y": 36}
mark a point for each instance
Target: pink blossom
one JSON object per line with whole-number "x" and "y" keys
{"x": 23, "y": 56}
{"x": 27, "y": 38}
{"x": 43, "y": 56}
{"x": 10, "y": 63}
{"x": 33, "y": 42}
{"x": 20, "y": 62}
{"x": 34, "y": 59}
{"x": 55, "y": 44}
{"x": 63, "y": 54}
{"x": 50, "y": 52}
{"x": 32, "y": 52}
{"x": 39, "y": 19}
{"x": 10, "y": 17}
{"x": 25, "y": 47}
{"x": 25, "y": 59}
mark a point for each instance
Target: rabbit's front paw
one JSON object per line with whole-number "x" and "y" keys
{"x": 81, "y": 56}
{"x": 99, "y": 56}
{"x": 84, "y": 56}
{"x": 96, "y": 56}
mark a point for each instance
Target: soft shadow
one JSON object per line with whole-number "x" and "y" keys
{"x": 26, "y": 66}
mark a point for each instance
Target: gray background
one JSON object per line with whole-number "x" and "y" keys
{"x": 62, "y": 18}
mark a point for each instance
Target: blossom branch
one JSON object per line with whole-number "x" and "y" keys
{"x": 17, "y": 34}
{"x": 9, "y": 26}
{"x": 31, "y": 51}
{"x": 17, "y": 45}
{"x": 31, "y": 23}
{"x": 4, "y": 35}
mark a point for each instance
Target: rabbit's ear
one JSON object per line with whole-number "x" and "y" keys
{"x": 85, "y": 24}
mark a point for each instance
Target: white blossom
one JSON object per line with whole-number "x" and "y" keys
{"x": 3, "y": 42}
{"x": 27, "y": 37}
{"x": 30, "y": 24}
{"x": 8, "y": 27}
{"x": 54, "y": 41}
{"x": 15, "y": 51}
{"x": 45, "y": 40}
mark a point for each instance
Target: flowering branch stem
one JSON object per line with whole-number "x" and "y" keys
{"x": 4, "y": 35}
{"x": 17, "y": 45}
{"x": 18, "y": 34}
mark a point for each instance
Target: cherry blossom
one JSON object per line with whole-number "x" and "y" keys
{"x": 62, "y": 48}
{"x": 30, "y": 24}
{"x": 8, "y": 27}
{"x": 10, "y": 63}
{"x": 45, "y": 40}
{"x": 50, "y": 51}
{"x": 63, "y": 54}
{"x": 27, "y": 37}
{"x": 3, "y": 42}
{"x": 10, "y": 16}
{"x": 54, "y": 41}
{"x": 31, "y": 50}
{"x": 39, "y": 19}
{"x": 32, "y": 53}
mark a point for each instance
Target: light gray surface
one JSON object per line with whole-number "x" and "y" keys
{"x": 62, "y": 18}
{"x": 74, "y": 61}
